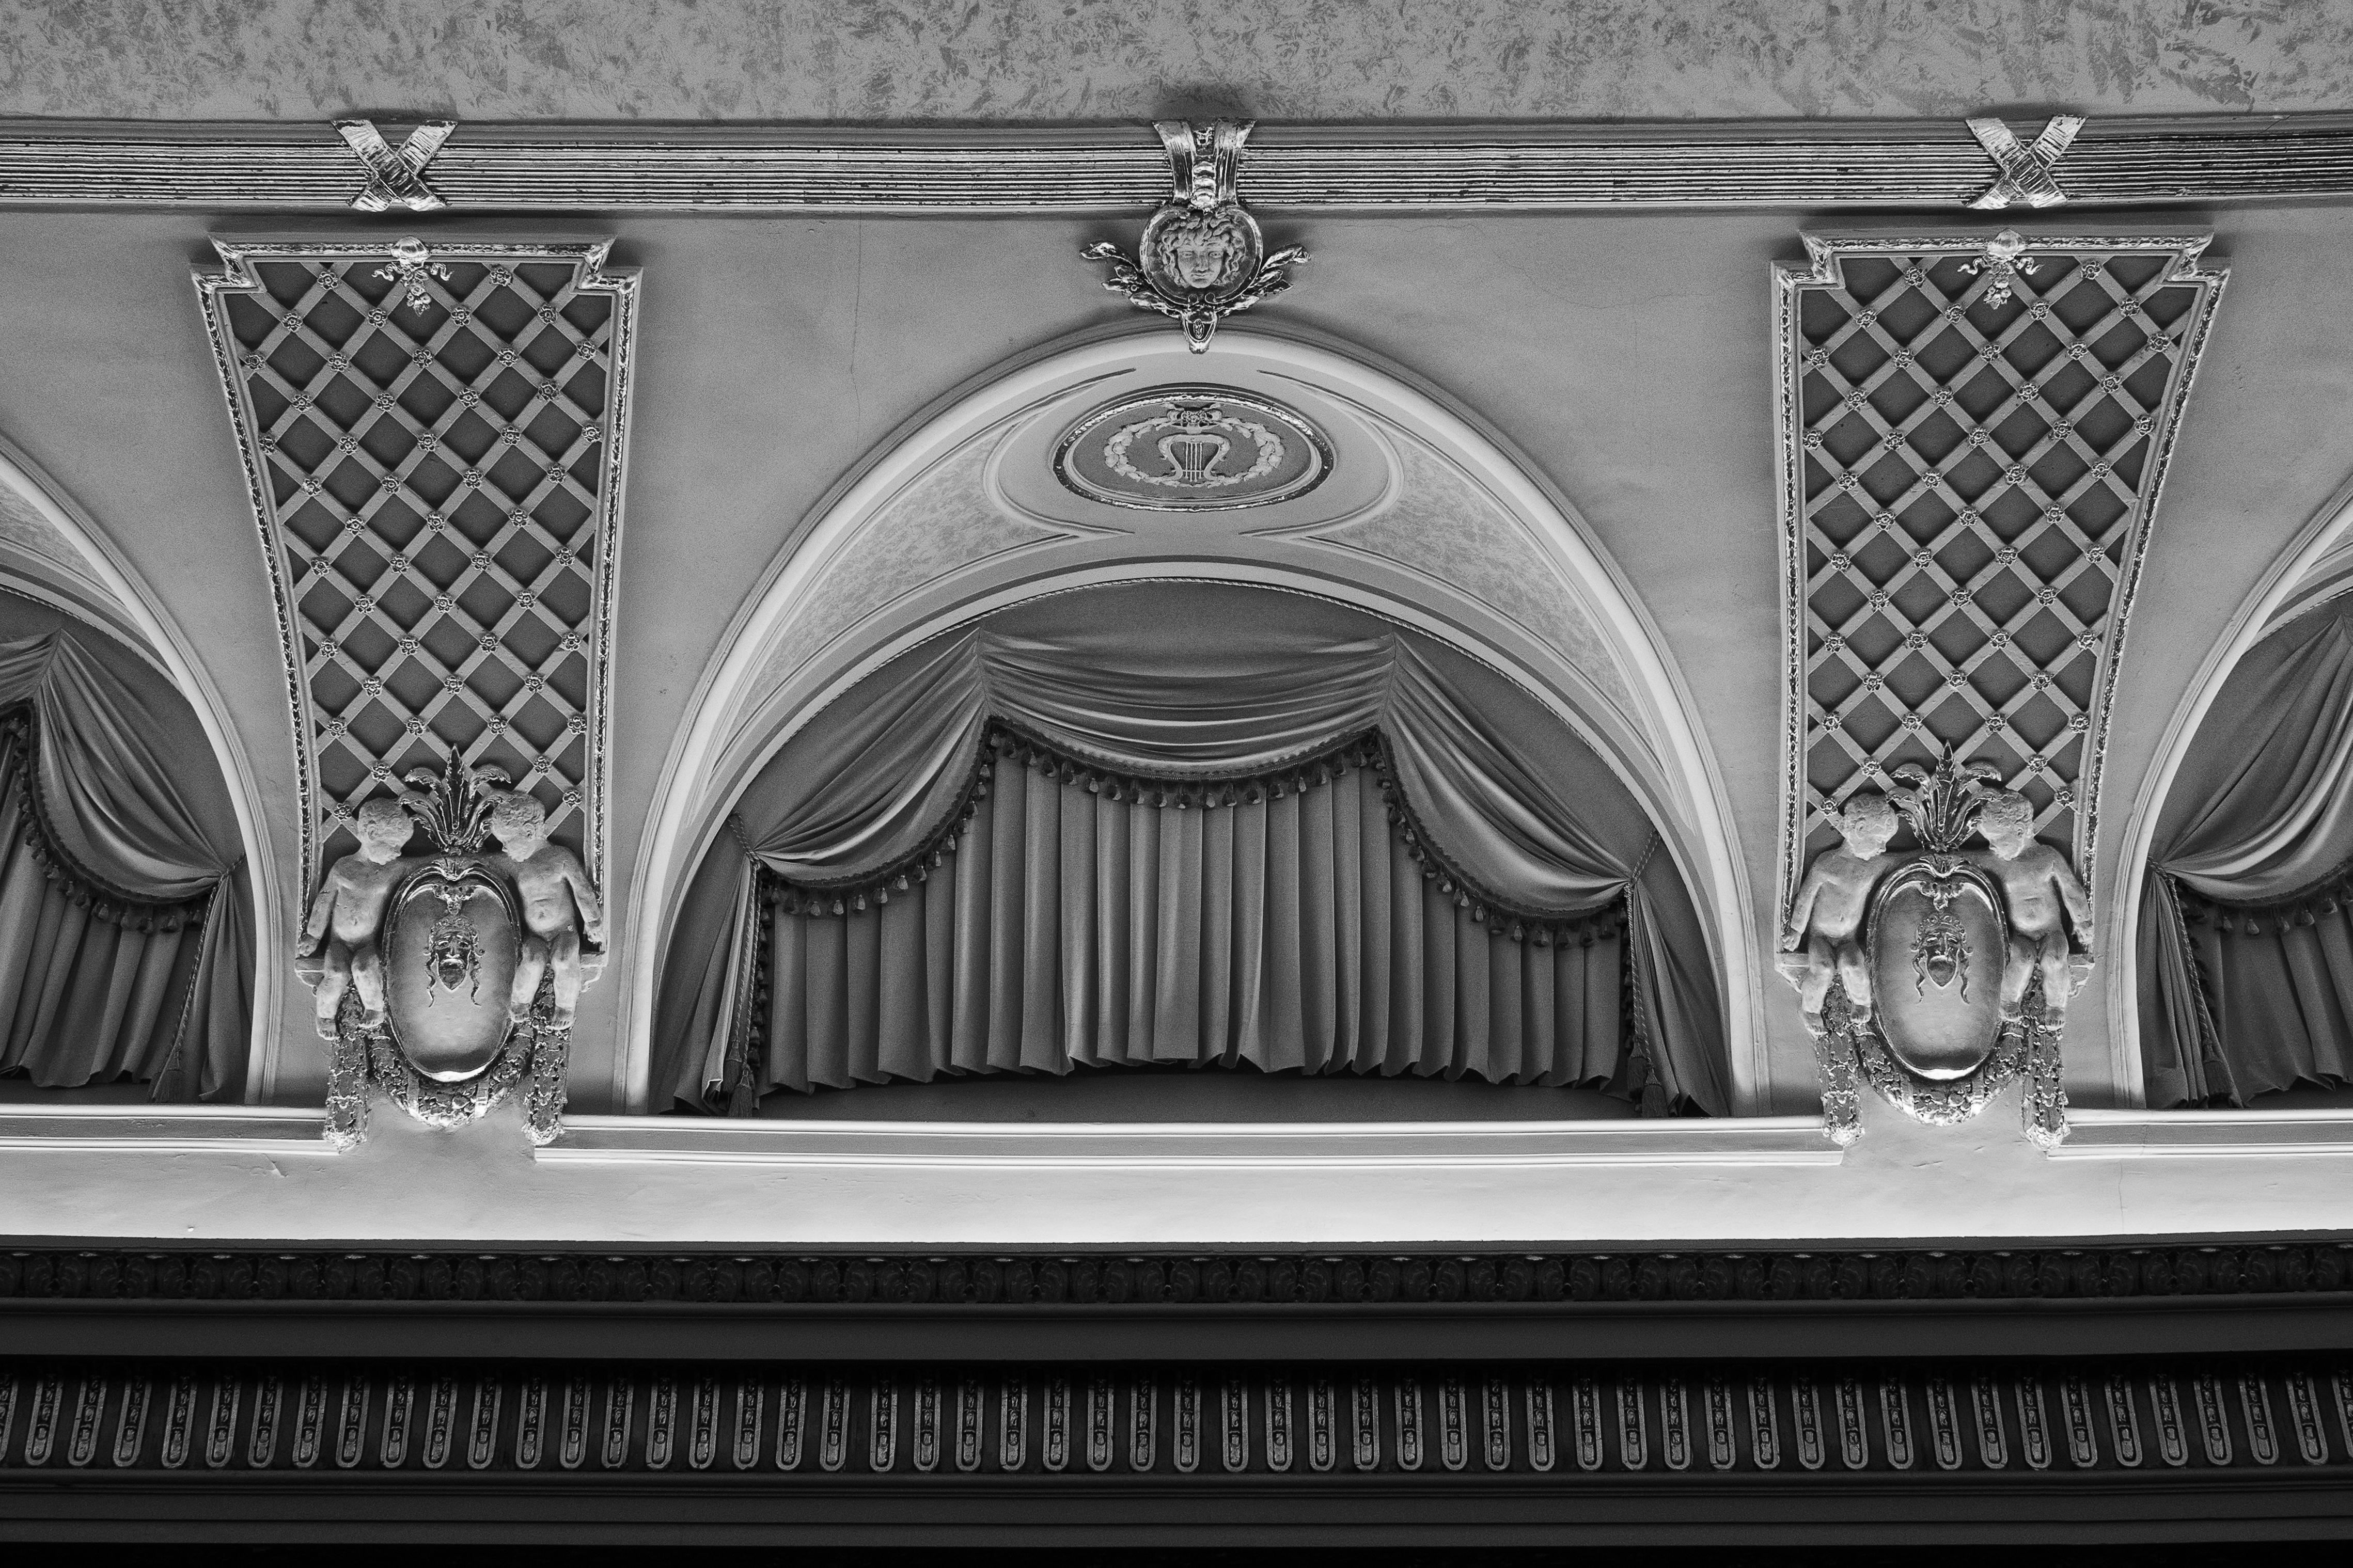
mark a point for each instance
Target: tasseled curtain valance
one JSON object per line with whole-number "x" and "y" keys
{"x": 125, "y": 935}
{"x": 1190, "y": 823}
{"x": 2246, "y": 937}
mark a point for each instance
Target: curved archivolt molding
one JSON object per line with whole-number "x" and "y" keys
{"x": 1425, "y": 519}
{"x": 50, "y": 550}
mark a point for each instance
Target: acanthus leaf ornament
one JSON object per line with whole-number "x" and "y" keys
{"x": 1201, "y": 257}
{"x": 1940, "y": 975}
{"x": 449, "y": 980}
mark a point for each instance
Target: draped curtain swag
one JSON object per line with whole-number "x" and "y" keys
{"x": 2246, "y": 944}
{"x": 126, "y": 944}
{"x": 1153, "y": 823}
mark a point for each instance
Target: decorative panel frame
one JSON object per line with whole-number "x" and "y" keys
{"x": 434, "y": 443}
{"x": 1973, "y": 434}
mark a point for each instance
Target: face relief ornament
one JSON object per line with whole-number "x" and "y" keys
{"x": 1202, "y": 257}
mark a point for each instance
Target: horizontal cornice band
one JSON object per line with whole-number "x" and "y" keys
{"x": 801, "y": 1448}
{"x": 1402, "y": 168}
{"x": 1155, "y": 1282}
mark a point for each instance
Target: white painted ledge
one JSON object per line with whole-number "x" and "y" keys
{"x": 252, "y": 1128}
{"x": 2207, "y": 1134}
{"x": 1177, "y": 1146}
{"x": 185, "y": 1173}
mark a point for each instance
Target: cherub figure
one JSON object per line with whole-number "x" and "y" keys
{"x": 348, "y": 914}
{"x": 2045, "y": 903}
{"x": 1825, "y": 924}
{"x": 559, "y": 907}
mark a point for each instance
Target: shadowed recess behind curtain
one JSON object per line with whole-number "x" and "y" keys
{"x": 1153, "y": 823}
{"x": 2247, "y": 930}
{"x": 125, "y": 931}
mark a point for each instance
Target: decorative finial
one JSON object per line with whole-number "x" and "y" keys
{"x": 453, "y": 805}
{"x": 1942, "y": 805}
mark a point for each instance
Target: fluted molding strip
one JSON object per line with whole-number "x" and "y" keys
{"x": 1412, "y": 168}
{"x": 1958, "y": 1423}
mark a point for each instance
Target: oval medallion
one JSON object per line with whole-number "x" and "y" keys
{"x": 1193, "y": 448}
{"x": 450, "y": 950}
{"x": 1938, "y": 942}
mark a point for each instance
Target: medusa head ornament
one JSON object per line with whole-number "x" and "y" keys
{"x": 1201, "y": 257}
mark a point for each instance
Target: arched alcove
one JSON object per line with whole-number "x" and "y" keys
{"x": 1422, "y": 519}
{"x": 2307, "y": 578}
{"x": 59, "y": 572}
{"x": 1353, "y": 852}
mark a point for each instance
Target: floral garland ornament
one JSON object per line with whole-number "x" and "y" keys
{"x": 2004, "y": 261}
{"x": 412, "y": 263}
{"x": 1201, "y": 257}
{"x": 449, "y": 980}
{"x": 1940, "y": 975}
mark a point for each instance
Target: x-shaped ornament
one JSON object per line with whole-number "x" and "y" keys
{"x": 2025, "y": 170}
{"x": 395, "y": 178}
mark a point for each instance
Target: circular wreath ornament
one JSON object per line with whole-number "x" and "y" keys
{"x": 1193, "y": 448}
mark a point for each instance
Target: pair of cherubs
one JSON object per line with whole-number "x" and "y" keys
{"x": 559, "y": 909}
{"x": 2043, "y": 900}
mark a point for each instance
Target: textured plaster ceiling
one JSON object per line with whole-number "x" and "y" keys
{"x": 946, "y": 61}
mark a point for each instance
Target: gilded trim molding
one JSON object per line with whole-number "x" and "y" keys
{"x": 2125, "y": 162}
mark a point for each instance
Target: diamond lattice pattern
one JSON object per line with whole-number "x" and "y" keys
{"x": 1974, "y": 463}
{"x": 433, "y": 441}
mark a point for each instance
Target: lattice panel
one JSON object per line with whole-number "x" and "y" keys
{"x": 1973, "y": 436}
{"x": 435, "y": 442}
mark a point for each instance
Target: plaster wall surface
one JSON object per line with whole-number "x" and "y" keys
{"x": 1626, "y": 357}
{"x": 947, "y": 61}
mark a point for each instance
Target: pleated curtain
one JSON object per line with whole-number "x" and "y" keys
{"x": 1068, "y": 928}
{"x": 126, "y": 932}
{"x": 2246, "y": 927}
{"x": 1256, "y": 891}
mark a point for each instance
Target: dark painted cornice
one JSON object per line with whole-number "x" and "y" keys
{"x": 2257, "y": 1296}
{"x": 1158, "y": 1281}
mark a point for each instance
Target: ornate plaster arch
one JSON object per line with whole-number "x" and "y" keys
{"x": 1427, "y": 520}
{"x": 52, "y": 550}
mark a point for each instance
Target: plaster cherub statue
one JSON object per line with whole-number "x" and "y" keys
{"x": 2045, "y": 903}
{"x": 1823, "y": 932}
{"x": 560, "y": 907}
{"x": 348, "y": 914}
